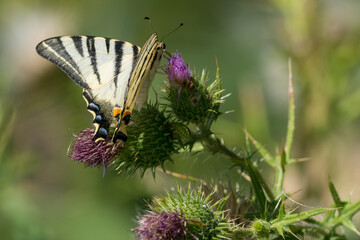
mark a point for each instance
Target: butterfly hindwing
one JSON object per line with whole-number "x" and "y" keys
{"x": 101, "y": 111}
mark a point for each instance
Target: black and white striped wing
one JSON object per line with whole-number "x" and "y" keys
{"x": 101, "y": 66}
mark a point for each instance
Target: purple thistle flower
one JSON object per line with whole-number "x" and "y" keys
{"x": 92, "y": 153}
{"x": 161, "y": 225}
{"x": 179, "y": 75}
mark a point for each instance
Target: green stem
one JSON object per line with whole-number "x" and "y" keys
{"x": 310, "y": 227}
{"x": 214, "y": 144}
{"x": 279, "y": 180}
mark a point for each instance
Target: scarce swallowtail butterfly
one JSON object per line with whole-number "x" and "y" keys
{"x": 115, "y": 75}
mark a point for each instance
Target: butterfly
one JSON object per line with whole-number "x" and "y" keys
{"x": 115, "y": 75}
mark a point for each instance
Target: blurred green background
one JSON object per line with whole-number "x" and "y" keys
{"x": 45, "y": 195}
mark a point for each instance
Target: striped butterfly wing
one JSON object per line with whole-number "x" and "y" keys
{"x": 101, "y": 66}
{"x": 140, "y": 80}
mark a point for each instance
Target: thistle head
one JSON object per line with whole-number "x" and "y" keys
{"x": 161, "y": 225}
{"x": 178, "y": 74}
{"x": 204, "y": 219}
{"x": 91, "y": 153}
{"x": 188, "y": 96}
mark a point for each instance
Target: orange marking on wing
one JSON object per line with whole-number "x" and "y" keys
{"x": 126, "y": 113}
{"x": 117, "y": 111}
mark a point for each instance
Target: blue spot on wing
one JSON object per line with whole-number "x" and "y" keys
{"x": 93, "y": 107}
{"x": 98, "y": 118}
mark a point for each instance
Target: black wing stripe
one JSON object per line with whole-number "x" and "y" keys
{"x": 136, "y": 54}
{"x": 136, "y": 58}
{"x": 54, "y": 51}
{"x": 90, "y": 43}
{"x": 78, "y": 44}
{"x": 118, "y": 59}
{"x": 107, "y": 42}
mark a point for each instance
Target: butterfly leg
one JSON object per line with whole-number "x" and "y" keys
{"x": 123, "y": 118}
{"x": 169, "y": 55}
{"x": 120, "y": 131}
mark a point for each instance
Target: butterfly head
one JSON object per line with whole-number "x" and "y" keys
{"x": 160, "y": 50}
{"x": 161, "y": 46}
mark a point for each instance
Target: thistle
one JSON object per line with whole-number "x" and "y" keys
{"x": 161, "y": 225}
{"x": 94, "y": 154}
{"x": 190, "y": 100}
{"x": 150, "y": 141}
{"x": 178, "y": 74}
{"x": 204, "y": 219}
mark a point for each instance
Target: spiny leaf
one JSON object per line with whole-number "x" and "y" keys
{"x": 262, "y": 150}
{"x": 345, "y": 216}
{"x": 290, "y": 219}
{"x": 350, "y": 225}
{"x": 259, "y": 192}
{"x": 335, "y": 195}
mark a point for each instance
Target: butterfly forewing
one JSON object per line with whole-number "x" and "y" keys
{"x": 112, "y": 73}
{"x": 102, "y": 66}
{"x": 141, "y": 73}
{"x": 141, "y": 77}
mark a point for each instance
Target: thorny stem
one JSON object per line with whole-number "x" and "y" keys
{"x": 316, "y": 227}
{"x": 215, "y": 145}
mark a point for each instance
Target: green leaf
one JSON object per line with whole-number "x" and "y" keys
{"x": 262, "y": 150}
{"x": 335, "y": 195}
{"x": 350, "y": 225}
{"x": 282, "y": 212}
{"x": 345, "y": 216}
{"x": 259, "y": 192}
{"x": 282, "y": 223}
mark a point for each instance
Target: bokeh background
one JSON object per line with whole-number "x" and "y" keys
{"x": 45, "y": 195}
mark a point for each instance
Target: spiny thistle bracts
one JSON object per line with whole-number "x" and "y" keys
{"x": 150, "y": 141}
{"x": 190, "y": 100}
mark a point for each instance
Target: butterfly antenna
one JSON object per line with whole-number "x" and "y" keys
{"x": 181, "y": 24}
{"x": 150, "y": 22}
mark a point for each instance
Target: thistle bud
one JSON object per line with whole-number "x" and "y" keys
{"x": 189, "y": 98}
{"x": 150, "y": 141}
{"x": 261, "y": 228}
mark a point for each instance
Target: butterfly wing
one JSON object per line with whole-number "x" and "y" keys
{"x": 144, "y": 72}
{"x": 140, "y": 80}
{"x": 101, "y": 66}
